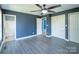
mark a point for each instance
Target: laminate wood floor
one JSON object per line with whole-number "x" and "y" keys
{"x": 38, "y": 45}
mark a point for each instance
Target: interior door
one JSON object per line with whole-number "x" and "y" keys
{"x": 58, "y": 26}
{"x": 9, "y": 27}
{"x": 39, "y": 26}
{"x": 74, "y": 27}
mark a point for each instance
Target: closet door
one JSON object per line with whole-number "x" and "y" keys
{"x": 74, "y": 27}
{"x": 58, "y": 26}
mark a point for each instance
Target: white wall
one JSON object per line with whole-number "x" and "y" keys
{"x": 0, "y": 26}
{"x": 58, "y": 26}
{"x": 74, "y": 27}
{"x": 39, "y": 26}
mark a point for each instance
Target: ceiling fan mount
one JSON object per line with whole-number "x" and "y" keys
{"x": 44, "y": 10}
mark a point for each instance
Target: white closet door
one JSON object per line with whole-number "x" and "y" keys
{"x": 58, "y": 26}
{"x": 39, "y": 26}
{"x": 0, "y": 26}
{"x": 74, "y": 27}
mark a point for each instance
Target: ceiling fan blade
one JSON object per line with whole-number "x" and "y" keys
{"x": 38, "y": 6}
{"x": 35, "y": 11}
{"x": 54, "y": 7}
{"x": 51, "y": 11}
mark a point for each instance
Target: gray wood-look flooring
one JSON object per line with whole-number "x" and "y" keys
{"x": 39, "y": 45}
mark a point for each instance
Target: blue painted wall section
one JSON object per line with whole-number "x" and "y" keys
{"x": 25, "y": 23}
{"x": 49, "y": 25}
{"x": 66, "y": 25}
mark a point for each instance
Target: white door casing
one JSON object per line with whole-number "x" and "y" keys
{"x": 58, "y": 26}
{"x": 9, "y": 28}
{"x": 73, "y": 29}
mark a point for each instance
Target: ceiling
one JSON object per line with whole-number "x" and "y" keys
{"x": 26, "y": 8}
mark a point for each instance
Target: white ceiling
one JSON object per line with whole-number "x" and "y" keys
{"x": 26, "y": 8}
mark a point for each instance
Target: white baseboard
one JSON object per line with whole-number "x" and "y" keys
{"x": 53, "y": 36}
{"x": 25, "y": 37}
{"x": 66, "y": 39}
{"x": 38, "y": 34}
{"x": 75, "y": 41}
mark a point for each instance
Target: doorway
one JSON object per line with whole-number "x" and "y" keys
{"x": 44, "y": 29}
{"x": 9, "y": 27}
{"x": 39, "y": 26}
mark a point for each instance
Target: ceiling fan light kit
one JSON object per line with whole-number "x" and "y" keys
{"x": 44, "y": 11}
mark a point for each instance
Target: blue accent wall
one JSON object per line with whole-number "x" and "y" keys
{"x": 66, "y": 23}
{"x": 49, "y": 25}
{"x": 25, "y": 23}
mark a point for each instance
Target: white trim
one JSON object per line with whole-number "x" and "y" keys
{"x": 4, "y": 24}
{"x": 54, "y": 36}
{"x": 26, "y": 37}
{"x": 66, "y": 39}
{"x": 39, "y": 26}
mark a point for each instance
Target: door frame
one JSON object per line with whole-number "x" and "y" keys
{"x": 69, "y": 24}
{"x": 37, "y": 25}
{"x": 4, "y": 25}
{"x": 43, "y": 24}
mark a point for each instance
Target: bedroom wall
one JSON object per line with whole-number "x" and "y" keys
{"x": 49, "y": 25}
{"x": 25, "y": 23}
{"x": 66, "y": 18}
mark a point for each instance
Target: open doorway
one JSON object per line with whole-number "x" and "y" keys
{"x": 44, "y": 26}
{"x": 9, "y": 27}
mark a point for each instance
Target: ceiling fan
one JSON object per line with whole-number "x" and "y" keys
{"x": 45, "y": 10}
